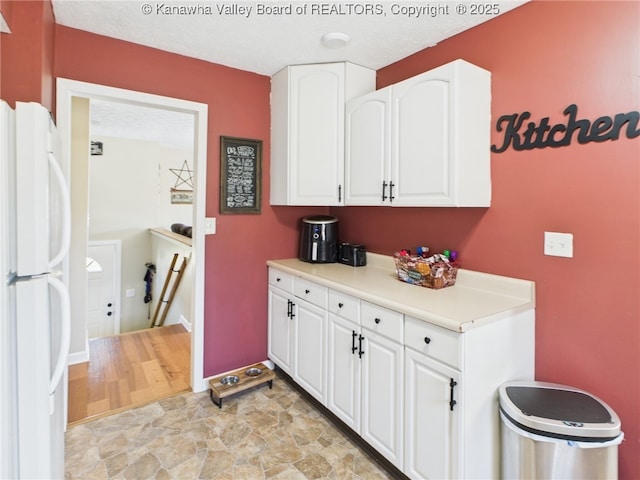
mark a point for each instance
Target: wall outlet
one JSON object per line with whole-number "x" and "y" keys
{"x": 558, "y": 244}
{"x": 210, "y": 225}
{"x": 130, "y": 292}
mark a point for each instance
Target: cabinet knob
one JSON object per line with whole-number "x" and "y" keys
{"x": 277, "y": 279}
{"x": 427, "y": 340}
{"x": 340, "y": 305}
{"x": 307, "y": 291}
{"x": 377, "y": 320}
{"x": 109, "y": 314}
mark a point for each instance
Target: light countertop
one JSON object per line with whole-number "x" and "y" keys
{"x": 476, "y": 298}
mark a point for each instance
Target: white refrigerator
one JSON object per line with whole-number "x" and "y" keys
{"x": 34, "y": 299}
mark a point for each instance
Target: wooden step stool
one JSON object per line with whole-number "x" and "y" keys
{"x": 238, "y": 381}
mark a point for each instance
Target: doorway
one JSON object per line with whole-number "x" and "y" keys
{"x": 70, "y": 92}
{"x": 103, "y": 286}
{"x": 140, "y": 185}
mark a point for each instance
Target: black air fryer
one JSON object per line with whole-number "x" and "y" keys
{"x": 319, "y": 239}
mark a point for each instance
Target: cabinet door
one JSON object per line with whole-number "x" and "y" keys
{"x": 430, "y": 422}
{"x": 382, "y": 392}
{"x": 280, "y": 329}
{"x": 316, "y": 134}
{"x": 421, "y": 167}
{"x": 343, "y": 375}
{"x": 368, "y": 149}
{"x": 309, "y": 346}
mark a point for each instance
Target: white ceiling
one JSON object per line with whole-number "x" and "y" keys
{"x": 258, "y": 42}
{"x": 264, "y": 43}
{"x": 135, "y": 122}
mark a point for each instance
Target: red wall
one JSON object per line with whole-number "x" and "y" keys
{"x": 26, "y": 54}
{"x": 235, "y": 278}
{"x": 543, "y": 57}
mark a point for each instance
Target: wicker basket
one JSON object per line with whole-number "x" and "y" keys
{"x": 419, "y": 271}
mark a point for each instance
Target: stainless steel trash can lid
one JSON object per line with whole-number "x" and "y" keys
{"x": 558, "y": 411}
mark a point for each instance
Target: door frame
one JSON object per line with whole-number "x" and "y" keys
{"x": 117, "y": 271}
{"x": 66, "y": 90}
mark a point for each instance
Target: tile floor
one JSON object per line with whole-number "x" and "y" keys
{"x": 259, "y": 434}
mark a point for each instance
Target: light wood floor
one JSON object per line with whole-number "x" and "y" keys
{"x": 129, "y": 370}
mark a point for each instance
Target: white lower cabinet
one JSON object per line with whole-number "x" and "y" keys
{"x": 423, "y": 396}
{"x": 310, "y": 348}
{"x": 297, "y": 331}
{"x": 382, "y": 393}
{"x": 344, "y": 372}
{"x": 431, "y": 418}
{"x": 452, "y": 426}
{"x": 280, "y": 328}
{"x": 365, "y": 385}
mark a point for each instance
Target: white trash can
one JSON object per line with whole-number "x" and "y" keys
{"x": 551, "y": 431}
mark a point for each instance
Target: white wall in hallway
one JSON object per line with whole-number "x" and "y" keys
{"x": 129, "y": 192}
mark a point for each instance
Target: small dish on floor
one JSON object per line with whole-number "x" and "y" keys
{"x": 230, "y": 380}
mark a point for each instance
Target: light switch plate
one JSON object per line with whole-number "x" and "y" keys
{"x": 210, "y": 225}
{"x": 558, "y": 244}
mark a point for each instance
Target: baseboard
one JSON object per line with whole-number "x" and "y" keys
{"x": 79, "y": 357}
{"x": 185, "y": 323}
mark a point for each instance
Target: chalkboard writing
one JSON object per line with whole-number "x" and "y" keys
{"x": 240, "y": 175}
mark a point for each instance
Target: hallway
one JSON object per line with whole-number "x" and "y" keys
{"x": 129, "y": 370}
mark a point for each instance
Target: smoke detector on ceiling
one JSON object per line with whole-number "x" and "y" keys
{"x": 335, "y": 39}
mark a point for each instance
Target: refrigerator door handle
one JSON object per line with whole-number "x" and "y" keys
{"x": 65, "y": 241}
{"x": 65, "y": 332}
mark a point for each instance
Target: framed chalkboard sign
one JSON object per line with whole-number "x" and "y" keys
{"x": 240, "y": 175}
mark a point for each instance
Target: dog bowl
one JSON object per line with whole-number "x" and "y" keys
{"x": 229, "y": 380}
{"x": 253, "y": 372}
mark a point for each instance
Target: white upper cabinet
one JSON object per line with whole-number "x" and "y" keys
{"x": 423, "y": 141}
{"x": 368, "y": 149}
{"x": 307, "y": 131}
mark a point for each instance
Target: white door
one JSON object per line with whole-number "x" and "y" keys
{"x": 421, "y": 168}
{"x": 317, "y": 134}
{"x": 431, "y": 419}
{"x": 382, "y": 405}
{"x": 309, "y": 346}
{"x": 368, "y": 149}
{"x": 280, "y": 325}
{"x": 343, "y": 376}
{"x": 103, "y": 312}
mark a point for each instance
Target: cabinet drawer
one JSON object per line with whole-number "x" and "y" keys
{"x": 344, "y": 306}
{"x": 383, "y": 321}
{"x": 436, "y": 342}
{"x": 281, "y": 280}
{"x": 311, "y": 292}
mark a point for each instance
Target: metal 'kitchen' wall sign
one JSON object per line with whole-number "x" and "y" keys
{"x": 560, "y": 135}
